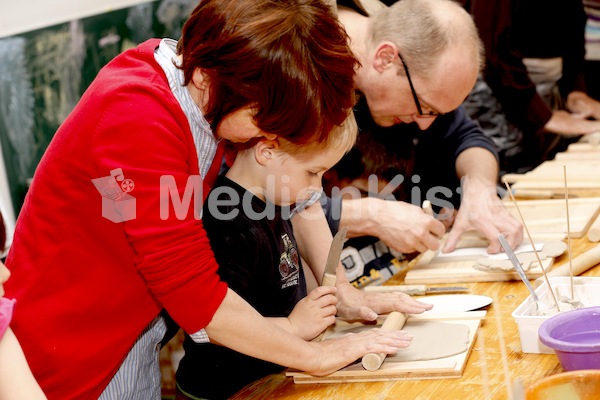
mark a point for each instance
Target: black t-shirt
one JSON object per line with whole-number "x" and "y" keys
{"x": 258, "y": 258}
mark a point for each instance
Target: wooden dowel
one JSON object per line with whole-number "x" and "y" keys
{"x": 512, "y": 197}
{"x": 394, "y": 321}
{"x": 568, "y": 234}
{"x": 580, "y": 264}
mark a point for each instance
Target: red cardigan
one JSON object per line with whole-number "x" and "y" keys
{"x": 86, "y": 287}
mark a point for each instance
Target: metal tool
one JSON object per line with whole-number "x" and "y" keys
{"x": 333, "y": 259}
{"x": 415, "y": 289}
{"x": 519, "y": 268}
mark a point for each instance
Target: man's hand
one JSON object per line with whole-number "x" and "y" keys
{"x": 564, "y": 123}
{"x": 481, "y": 210}
{"x": 582, "y": 105}
{"x": 403, "y": 227}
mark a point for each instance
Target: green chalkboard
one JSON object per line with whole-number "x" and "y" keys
{"x": 44, "y": 72}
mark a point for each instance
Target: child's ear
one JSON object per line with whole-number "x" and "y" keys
{"x": 264, "y": 151}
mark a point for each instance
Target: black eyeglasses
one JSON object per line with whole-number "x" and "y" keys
{"x": 415, "y": 97}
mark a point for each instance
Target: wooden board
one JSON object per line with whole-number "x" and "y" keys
{"x": 582, "y": 146}
{"x": 578, "y": 156}
{"x": 429, "y": 268}
{"x": 427, "y": 271}
{"x": 582, "y": 174}
{"x": 550, "y": 216}
{"x": 448, "y": 367}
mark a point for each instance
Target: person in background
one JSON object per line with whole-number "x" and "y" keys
{"x": 368, "y": 170}
{"x": 108, "y": 235}
{"x": 16, "y": 380}
{"x": 531, "y": 98}
{"x": 418, "y": 62}
{"x": 592, "y": 48}
{"x": 256, "y": 250}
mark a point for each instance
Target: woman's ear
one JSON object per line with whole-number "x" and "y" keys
{"x": 384, "y": 56}
{"x": 264, "y": 151}
{"x": 199, "y": 80}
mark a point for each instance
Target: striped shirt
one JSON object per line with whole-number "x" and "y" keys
{"x": 139, "y": 376}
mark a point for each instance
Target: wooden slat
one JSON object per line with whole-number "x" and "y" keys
{"x": 550, "y": 216}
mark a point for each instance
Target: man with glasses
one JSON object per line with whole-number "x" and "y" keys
{"x": 419, "y": 61}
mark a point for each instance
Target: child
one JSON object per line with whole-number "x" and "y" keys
{"x": 253, "y": 242}
{"x": 16, "y": 379}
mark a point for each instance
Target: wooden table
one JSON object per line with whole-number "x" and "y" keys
{"x": 486, "y": 359}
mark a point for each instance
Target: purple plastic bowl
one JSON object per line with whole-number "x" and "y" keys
{"x": 575, "y": 337}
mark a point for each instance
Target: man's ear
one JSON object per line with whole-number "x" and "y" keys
{"x": 264, "y": 151}
{"x": 384, "y": 56}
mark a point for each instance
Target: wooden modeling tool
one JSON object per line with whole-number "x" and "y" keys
{"x": 415, "y": 289}
{"x": 394, "y": 321}
{"x": 512, "y": 197}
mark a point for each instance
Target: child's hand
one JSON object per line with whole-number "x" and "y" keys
{"x": 314, "y": 313}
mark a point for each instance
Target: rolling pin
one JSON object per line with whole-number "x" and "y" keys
{"x": 593, "y": 234}
{"x": 394, "y": 321}
{"x": 581, "y": 263}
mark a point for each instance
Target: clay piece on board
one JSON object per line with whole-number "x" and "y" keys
{"x": 431, "y": 340}
{"x": 528, "y": 260}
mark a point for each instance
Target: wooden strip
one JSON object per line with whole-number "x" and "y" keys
{"x": 578, "y": 156}
{"x": 532, "y": 194}
{"x": 448, "y": 316}
{"x": 582, "y": 147}
{"x": 549, "y": 216}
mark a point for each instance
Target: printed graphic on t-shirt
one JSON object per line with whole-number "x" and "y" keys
{"x": 289, "y": 265}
